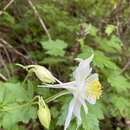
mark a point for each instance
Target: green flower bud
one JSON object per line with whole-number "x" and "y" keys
{"x": 44, "y": 113}
{"x": 42, "y": 73}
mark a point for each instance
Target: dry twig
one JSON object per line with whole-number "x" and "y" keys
{"x": 127, "y": 65}
{"x": 9, "y": 59}
{"x": 39, "y": 18}
{"x": 15, "y": 50}
{"x": 5, "y": 8}
{"x": 5, "y": 66}
{"x": 3, "y": 77}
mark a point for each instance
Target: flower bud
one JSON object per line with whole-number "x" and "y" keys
{"x": 44, "y": 113}
{"x": 42, "y": 73}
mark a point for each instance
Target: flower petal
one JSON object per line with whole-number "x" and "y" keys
{"x": 92, "y": 77}
{"x": 82, "y": 102}
{"x": 70, "y": 113}
{"x": 77, "y": 112}
{"x": 69, "y": 85}
{"x": 83, "y": 70}
{"x": 91, "y": 100}
{"x": 84, "y": 106}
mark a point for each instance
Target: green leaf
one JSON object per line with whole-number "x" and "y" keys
{"x": 92, "y": 30}
{"x": 15, "y": 105}
{"x": 97, "y": 110}
{"x": 109, "y": 29}
{"x": 54, "y": 48}
{"x": 119, "y": 82}
{"x": 90, "y": 121}
{"x": 85, "y": 52}
{"x": 14, "y": 92}
{"x": 8, "y": 19}
{"x": 73, "y": 125}
{"x": 121, "y": 105}
{"x": 27, "y": 113}
{"x": 21, "y": 114}
{"x": 54, "y": 112}
{"x": 113, "y": 45}
{"x": 103, "y": 61}
{"x": 11, "y": 117}
{"x": 116, "y": 43}
{"x": 63, "y": 113}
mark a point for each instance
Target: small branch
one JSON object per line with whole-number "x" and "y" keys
{"x": 9, "y": 59}
{"x": 11, "y": 47}
{"x": 5, "y": 8}
{"x": 127, "y": 65}
{"x": 5, "y": 66}
{"x": 39, "y": 18}
{"x": 3, "y": 77}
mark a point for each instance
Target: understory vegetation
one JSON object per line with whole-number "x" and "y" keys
{"x": 52, "y": 33}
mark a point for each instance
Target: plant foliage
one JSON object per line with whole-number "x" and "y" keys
{"x": 78, "y": 28}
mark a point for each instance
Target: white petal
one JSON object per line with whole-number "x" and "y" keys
{"x": 77, "y": 112}
{"x": 69, "y": 85}
{"x": 91, "y": 100}
{"x": 70, "y": 113}
{"x": 84, "y": 106}
{"x": 82, "y": 87}
{"x": 83, "y": 70}
{"x": 92, "y": 77}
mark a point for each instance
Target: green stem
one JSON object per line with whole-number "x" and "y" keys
{"x": 20, "y": 65}
{"x": 25, "y": 79}
{"x": 52, "y": 98}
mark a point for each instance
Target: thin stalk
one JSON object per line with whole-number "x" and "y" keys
{"x": 20, "y": 65}
{"x": 39, "y": 18}
{"x": 3, "y": 77}
{"x": 25, "y": 79}
{"x": 52, "y": 98}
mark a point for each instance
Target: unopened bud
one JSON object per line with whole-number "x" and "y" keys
{"x": 42, "y": 73}
{"x": 44, "y": 113}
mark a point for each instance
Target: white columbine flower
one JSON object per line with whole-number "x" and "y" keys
{"x": 85, "y": 87}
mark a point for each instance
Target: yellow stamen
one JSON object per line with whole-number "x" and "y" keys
{"x": 94, "y": 89}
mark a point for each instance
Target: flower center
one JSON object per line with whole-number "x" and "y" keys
{"x": 94, "y": 89}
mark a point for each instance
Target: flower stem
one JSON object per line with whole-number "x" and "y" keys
{"x": 25, "y": 79}
{"x": 52, "y": 98}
